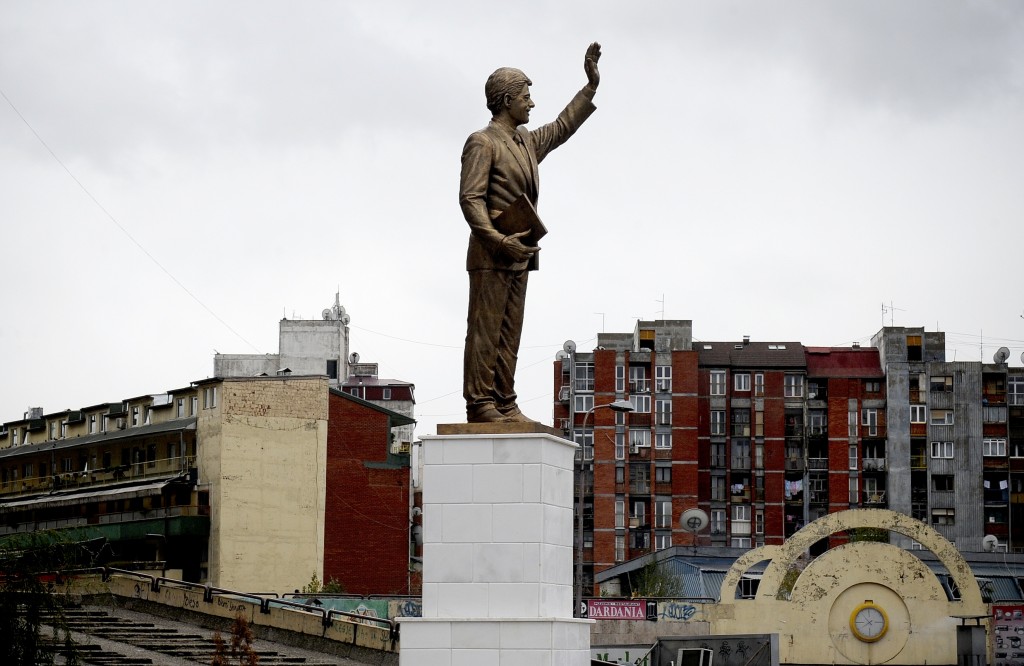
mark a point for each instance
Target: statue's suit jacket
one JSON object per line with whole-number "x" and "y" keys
{"x": 495, "y": 172}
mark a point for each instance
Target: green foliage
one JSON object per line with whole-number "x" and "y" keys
{"x": 33, "y": 595}
{"x": 868, "y": 534}
{"x": 655, "y": 580}
{"x": 314, "y": 586}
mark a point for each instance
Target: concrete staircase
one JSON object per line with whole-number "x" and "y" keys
{"x": 135, "y": 637}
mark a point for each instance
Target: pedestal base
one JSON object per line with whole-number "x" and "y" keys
{"x": 508, "y": 642}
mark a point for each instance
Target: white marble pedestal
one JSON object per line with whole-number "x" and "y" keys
{"x": 497, "y": 554}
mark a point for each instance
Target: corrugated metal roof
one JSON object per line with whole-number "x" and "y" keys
{"x": 751, "y": 354}
{"x": 113, "y": 435}
{"x": 76, "y": 497}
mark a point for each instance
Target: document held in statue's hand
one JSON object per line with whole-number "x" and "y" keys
{"x": 521, "y": 216}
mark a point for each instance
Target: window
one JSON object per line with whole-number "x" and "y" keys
{"x": 758, "y": 456}
{"x": 942, "y": 417}
{"x": 741, "y": 381}
{"x": 663, "y": 378}
{"x": 385, "y": 393}
{"x": 718, "y": 488}
{"x": 620, "y": 547}
{"x": 135, "y": 416}
{"x": 638, "y": 516}
{"x": 872, "y": 386}
{"x": 758, "y": 384}
{"x": 639, "y": 439}
{"x": 918, "y": 414}
{"x": 179, "y": 410}
{"x": 942, "y": 449}
{"x": 1017, "y": 449}
{"x": 941, "y": 384}
{"x": 641, "y": 403}
{"x": 620, "y": 446}
{"x": 663, "y": 412}
{"x": 818, "y": 422}
{"x": 662, "y": 541}
{"x": 663, "y": 474}
{"x": 1015, "y": 390}
{"x": 620, "y": 513}
{"x": 92, "y": 424}
{"x": 942, "y": 482}
{"x": 793, "y": 386}
{"x": 717, "y": 382}
{"x": 718, "y": 455}
{"x": 994, "y": 413}
{"x": 663, "y": 440}
{"x": 584, "y": 376}
{"x": 586, "y": 443}
{"x": 741, "y": 423}
{"x": 53, "y": 430}
{"x": 740, "y": 542}
{"x": 717, "y": 423}
{"x": 717, "y": 522}
{"x": 852, "y": 457}
{"x": 759, "y": 521}
{"x": 620, "y": 475}
{"x": 869, "y": 419}
{"x": 583, "y": 402}
{"x": 663, "y": 513}
{"x": 992, "y": 447}
{"x": 63, "y": 429}
{"x": 853, "y": 490}
{"x": 851, "y": 424}
{"x": 209, "y": 397}
{"x": 914, "y": 348}
{"x": 332, "y": 368}
{"x": 943, "y": 516}
{"x": 14, "y": 437}
{"x": 620, "y": 378}
{"x": 638, "y": 381}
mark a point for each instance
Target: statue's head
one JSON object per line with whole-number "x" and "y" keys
{"x": 504, "y": 81}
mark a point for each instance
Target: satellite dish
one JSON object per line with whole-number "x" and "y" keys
{"x": 569, "y": 346}
{"x": 353, "y": 358}
{"x": 1001, "y": 355}
{"x": 693, "y": 520}
{"x": 327, "y": 313}
{"x": 989, "y": 543}
{"x": 561, "y": 355}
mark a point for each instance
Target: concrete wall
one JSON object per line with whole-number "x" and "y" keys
{"x": 306, "y": 345}
{"x": 262, "y": 453}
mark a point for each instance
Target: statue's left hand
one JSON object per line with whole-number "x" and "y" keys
{"x": 590, "y": 65}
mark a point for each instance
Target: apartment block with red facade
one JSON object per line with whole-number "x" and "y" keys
{"x": 367, "y": 523}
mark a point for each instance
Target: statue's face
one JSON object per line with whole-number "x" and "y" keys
{"x": 520, "y": 105}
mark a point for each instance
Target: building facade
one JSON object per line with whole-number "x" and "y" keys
{"x": 246, "y": 483}
{"x": 765, "y": 437}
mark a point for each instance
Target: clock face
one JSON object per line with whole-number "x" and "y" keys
{"x": 869, "y": 622}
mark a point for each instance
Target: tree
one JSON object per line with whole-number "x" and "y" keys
{"x": 33, "y": 593}
{"x": 656, "y": 580}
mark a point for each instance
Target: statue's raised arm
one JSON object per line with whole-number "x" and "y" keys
{"x": 590, "y": 65}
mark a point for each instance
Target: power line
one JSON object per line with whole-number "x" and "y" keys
{"x": 120, "y": 226}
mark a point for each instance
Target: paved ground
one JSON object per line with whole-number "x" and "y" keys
{"x": 118, "y": 637}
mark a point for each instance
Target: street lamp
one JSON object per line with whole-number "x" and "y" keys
{"x": 616, "y": 406}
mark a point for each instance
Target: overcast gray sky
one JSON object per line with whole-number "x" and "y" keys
{"x": 772, "y": 169}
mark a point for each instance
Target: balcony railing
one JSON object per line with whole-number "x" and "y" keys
{"x": 919, "y": 462}
{"x": 873, "y": 465}
{"x": 639, "y": 488}
{"x": 817, "y": 463}
{"x": 795, "y": 463}
{"x": 873, "y": 498}
{"x": 640, "y": 386}
{"x": 98, "y": 477}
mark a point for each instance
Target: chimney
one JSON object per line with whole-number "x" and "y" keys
{"x": 746, "y": 340}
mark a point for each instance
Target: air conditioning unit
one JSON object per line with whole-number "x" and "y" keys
{"x": 563, "y": 394}
{"x": 634, "y": 449}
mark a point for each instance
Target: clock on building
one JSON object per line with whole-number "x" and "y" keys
{"x": 869, "y": 622}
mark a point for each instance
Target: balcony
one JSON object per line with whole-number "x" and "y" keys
{"x": 820, "y": 464}
{"x": 639, "y": 419}
{"x": 98, "y": 477}
{"x": 919, "y": 462}
{"x": 795, "y": 464}
{"x": 819, "y": 497}
{"x": 639, "y": 488}
{"x": 873, "y": 498}
{"x": 794, "y": 430}
{"x": 640, "y": 386}
{"x": 873, "y": 465}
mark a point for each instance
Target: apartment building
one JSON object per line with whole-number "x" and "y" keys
{"x": 765, "y": 437}
{"x": 247, "y": 483}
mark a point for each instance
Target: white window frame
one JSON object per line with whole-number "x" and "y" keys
{"x": 585, "y": 440}
{"x": 663, "y": 440}
{"x": 718, "y": 424}
{"x": 853, "y": 457}
{"x": 741, "y": 381}
{"x": 620, "y": 446}
{"x": 851, "y": 424}
{"x": 663, "y": 378}
{"x": 1015, "y": 390}
{"x": 620, "y": 514}
{"x": 641, "y": 402}
{"x": 993, "y": 447}
{"x": 639, "y": 382}
{"x": 584, "y": 379}
{"x": 758, "y": 384}
{"x": 662, "y": 513}
{"x": 639, "y": 438}
{"x": 620, "y": 547}
{"x": 942, "y": 450}
{"x": 717, "y": 522}
{"x": 869, "y": 419}
{"x": 210, "y": 397}
{"x": 663, "y": 412}
{"x": 941, "y": 417}
{"x": 919, "y": 413}
{"x": 620, "y": 379}
{"x": 793, "y": 386}
{"x": 662, "y": 540}
{"x": 717, "y": 382}
{"x": 583, "y": 402}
